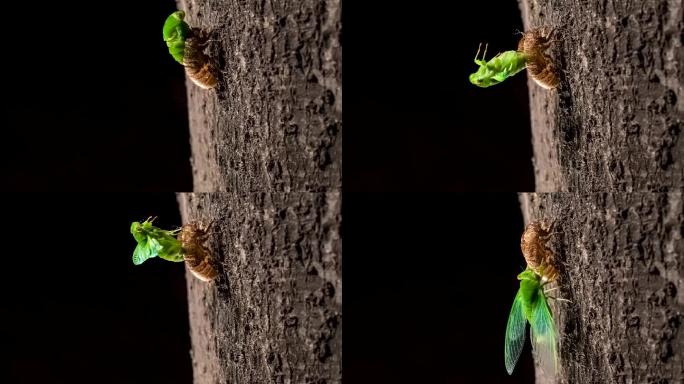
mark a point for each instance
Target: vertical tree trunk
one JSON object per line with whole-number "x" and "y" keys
{"x": 274, "y": 314}
{"x": 270, "y": 135}
{"x": 274, "y": 122}
{"x": 616, "y": 120}
{"x": 621, "y": 262}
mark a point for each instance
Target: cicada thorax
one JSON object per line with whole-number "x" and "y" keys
{"x": 197, "y": 256}
{"x": 198, "y": 66}
{"x": 538, "y": 256}
{"x": 534, "y": 44}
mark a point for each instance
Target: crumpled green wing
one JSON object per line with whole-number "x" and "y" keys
{"x": 543, "y": 335}
{"x": 515, "y": 334}
{"x": 146, "y": 250}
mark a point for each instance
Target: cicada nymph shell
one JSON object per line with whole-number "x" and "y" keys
{"x": 534, "y": 45}
{"x": 537, "y": 255}
{"x": 198, "y": 257}
{"x": 198, "y": 66}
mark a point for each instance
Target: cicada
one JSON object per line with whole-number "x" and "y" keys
{"x": 498, "y": 69}
{"x": 531, "y": 54}
{"x": 197, "y": 256}
{"x": 186, "y": 45}
{"x": 530, "y": 306}
{"x": 153, "y": 242}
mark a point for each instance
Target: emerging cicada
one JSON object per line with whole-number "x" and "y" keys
{"x": 538, "y": 256}
{"x": 186, "y": 46}
{"x": 531, "y": 303}
{"x": 531, "y": 54}
{"x": 197, "y": 256}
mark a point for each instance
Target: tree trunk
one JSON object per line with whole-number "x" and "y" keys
{"x": 274, "y": 121}
{"x": 615, "y": 122}
{"x": 620, "y": 261}
{"x": 270, "y": 136}
{"x": 274, "y": 313}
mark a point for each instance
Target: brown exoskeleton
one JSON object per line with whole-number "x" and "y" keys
{"x": 198, "y": 257}
{"x": 199, "y": 66}
{"x": 534, "y": 44}
{"x": 537, "y": 255}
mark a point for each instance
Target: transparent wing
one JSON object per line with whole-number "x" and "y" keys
{"x": 543, "y": 334}
{"x": 515, "y": 334}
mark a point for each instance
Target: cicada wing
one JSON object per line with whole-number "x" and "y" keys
{"x": 515, "y": 334}
{"x": 543, "y": 335}
{"x": 145, "y": 250}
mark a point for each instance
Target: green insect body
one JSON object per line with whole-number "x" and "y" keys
{"x": 498, "y": 68}
{"x": 175, "y": 32}
{"x": 530, "y": 306}
{"x": 155, "y": 242}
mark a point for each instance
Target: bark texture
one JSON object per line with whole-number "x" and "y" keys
{"x": 274, "y": 122}
{"x": 621, "y": 263}
{"x": 616, "y": 120}
{"x": 268, "y": 138}
{"x": 274, "y": 313}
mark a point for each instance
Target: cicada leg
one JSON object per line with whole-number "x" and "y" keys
{"x": 209, "y": 227}
{"x": 482, "y": 61}
{"x": 559, "y": 299}
{"x": 478, "y": 54}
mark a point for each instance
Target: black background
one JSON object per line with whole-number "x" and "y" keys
{"x": 91, "y": 99}
{"x": 412, "y": 120}
{"x": 429, "y": 280}
{"x": 74, "y": 307}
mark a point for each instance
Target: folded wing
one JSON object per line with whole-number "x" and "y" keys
{"x": 515, "y": 334}
{"x": 543, "y": 334}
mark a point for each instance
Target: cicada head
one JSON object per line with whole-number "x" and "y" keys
{"x": 140, "y": 231}
{"x": 483, "y": 77}
{"x": 528, "y": 274}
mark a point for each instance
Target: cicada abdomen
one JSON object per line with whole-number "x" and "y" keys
{"x": 537, "y": 255}
{"x": 197, "y": 256}
{"x": 534, "y": 44}
{"x": 198, "y": 66}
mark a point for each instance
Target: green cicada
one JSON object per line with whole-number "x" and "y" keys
{"x": 531, "y": 54}
{"x": 497, "y": 69}
{"x": 153, "y": 242}
{"x": 530, "y": 306}
{"x": 186, "y": 45}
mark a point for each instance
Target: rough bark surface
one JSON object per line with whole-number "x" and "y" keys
{"x": 268, "y": 138}
{"x": 274, "y": 122}
{"x": 274, "y": 313}
{"x": 621, "y": 263}
{"x": 616, "y": 120}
